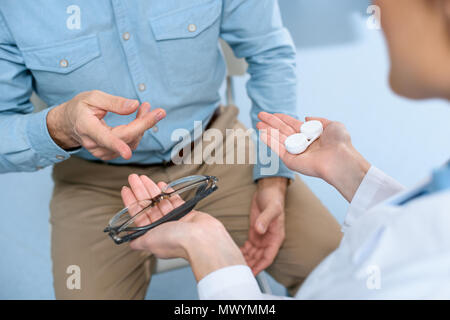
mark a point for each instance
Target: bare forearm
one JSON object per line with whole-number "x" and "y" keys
{"x": 211, "y": 250}
{"x": 346, "y": 171}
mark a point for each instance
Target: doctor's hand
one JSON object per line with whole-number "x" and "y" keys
{"x": 197, "y": 237}
{"x": 79, "y": 122}
{"x": 332, "y": 157}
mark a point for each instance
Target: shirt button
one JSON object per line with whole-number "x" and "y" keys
{"x": 141, "y": 86}
{"x": 60, "y": 157}
{"x": 155, "y": 129}
{"x": 126, "y": 36}
{"x": 192, "y": 27}
{"x": 64, "y": 63}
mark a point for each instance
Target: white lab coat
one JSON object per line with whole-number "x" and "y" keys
{"x": 387, "y": 252}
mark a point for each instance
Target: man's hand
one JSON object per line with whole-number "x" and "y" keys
{"x": 267, "y": 232}
{"x": 79, "y": 122}
{"x": 197, "y": 237}
{"x": 332, "y": 157}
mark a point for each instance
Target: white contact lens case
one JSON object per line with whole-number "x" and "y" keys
{"x": 299, "y": 142}
{"x": 296, "y": 143}
{"x": 312, "y": 129}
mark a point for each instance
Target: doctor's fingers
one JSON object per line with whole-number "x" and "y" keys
{"x": 162, "y": 207}
{"x": 290, "y": 121}
{"x": 145, "y": 191}
{"x": 275, "y": 142}
{"x": 324, "y": 121}
{"x": 131, "y": 203}
{"x": 165, "y": 206}
{"x": 267, "y": 129}
{"x": 278, "y": 124}
{"x": 175, "y": 199}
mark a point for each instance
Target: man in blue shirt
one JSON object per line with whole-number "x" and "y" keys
{"x": 98, "y": 64}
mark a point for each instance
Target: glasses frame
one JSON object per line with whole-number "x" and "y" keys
{"x": 205, "y": 186}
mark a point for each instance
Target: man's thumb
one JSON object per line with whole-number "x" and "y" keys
{"x": 112, "y": 103}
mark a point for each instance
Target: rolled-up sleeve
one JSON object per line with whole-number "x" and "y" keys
{"x": 26, "y": 143}
{"x": 254, "y": 30}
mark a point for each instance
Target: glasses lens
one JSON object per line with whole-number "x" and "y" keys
{"x": 132, "y": 215}
{"x": 185, "y": 184}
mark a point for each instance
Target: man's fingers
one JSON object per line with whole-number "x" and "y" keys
{"x": 103, "y": 153}
{"x": 246, "y": 247}
{"x": 138, "y": 126}
{"x": 111, "y": 103}
{"x": 105, "y": 138}
{"x": 266, "y": 217}
{"x": 277, "y": 123}
{"x": 256, "y": 258}
{"x": 261, "y": 265}
{"x": 268, "y": 256}
{"x": 143, "y": 109}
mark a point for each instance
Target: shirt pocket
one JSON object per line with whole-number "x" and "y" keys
{"x": 63, "y": 69}
{"x": 187, "y": 40}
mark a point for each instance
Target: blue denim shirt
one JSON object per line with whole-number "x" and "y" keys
{"x": 165, "y": 52}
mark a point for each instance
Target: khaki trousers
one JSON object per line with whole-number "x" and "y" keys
{"x": 87, "y": 194}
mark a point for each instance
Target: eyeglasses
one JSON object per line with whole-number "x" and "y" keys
{"x": 122, "y": 227}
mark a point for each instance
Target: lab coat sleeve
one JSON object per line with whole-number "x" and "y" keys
{"x": 232, "y": 283}
{"x": 375, "y": 188}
